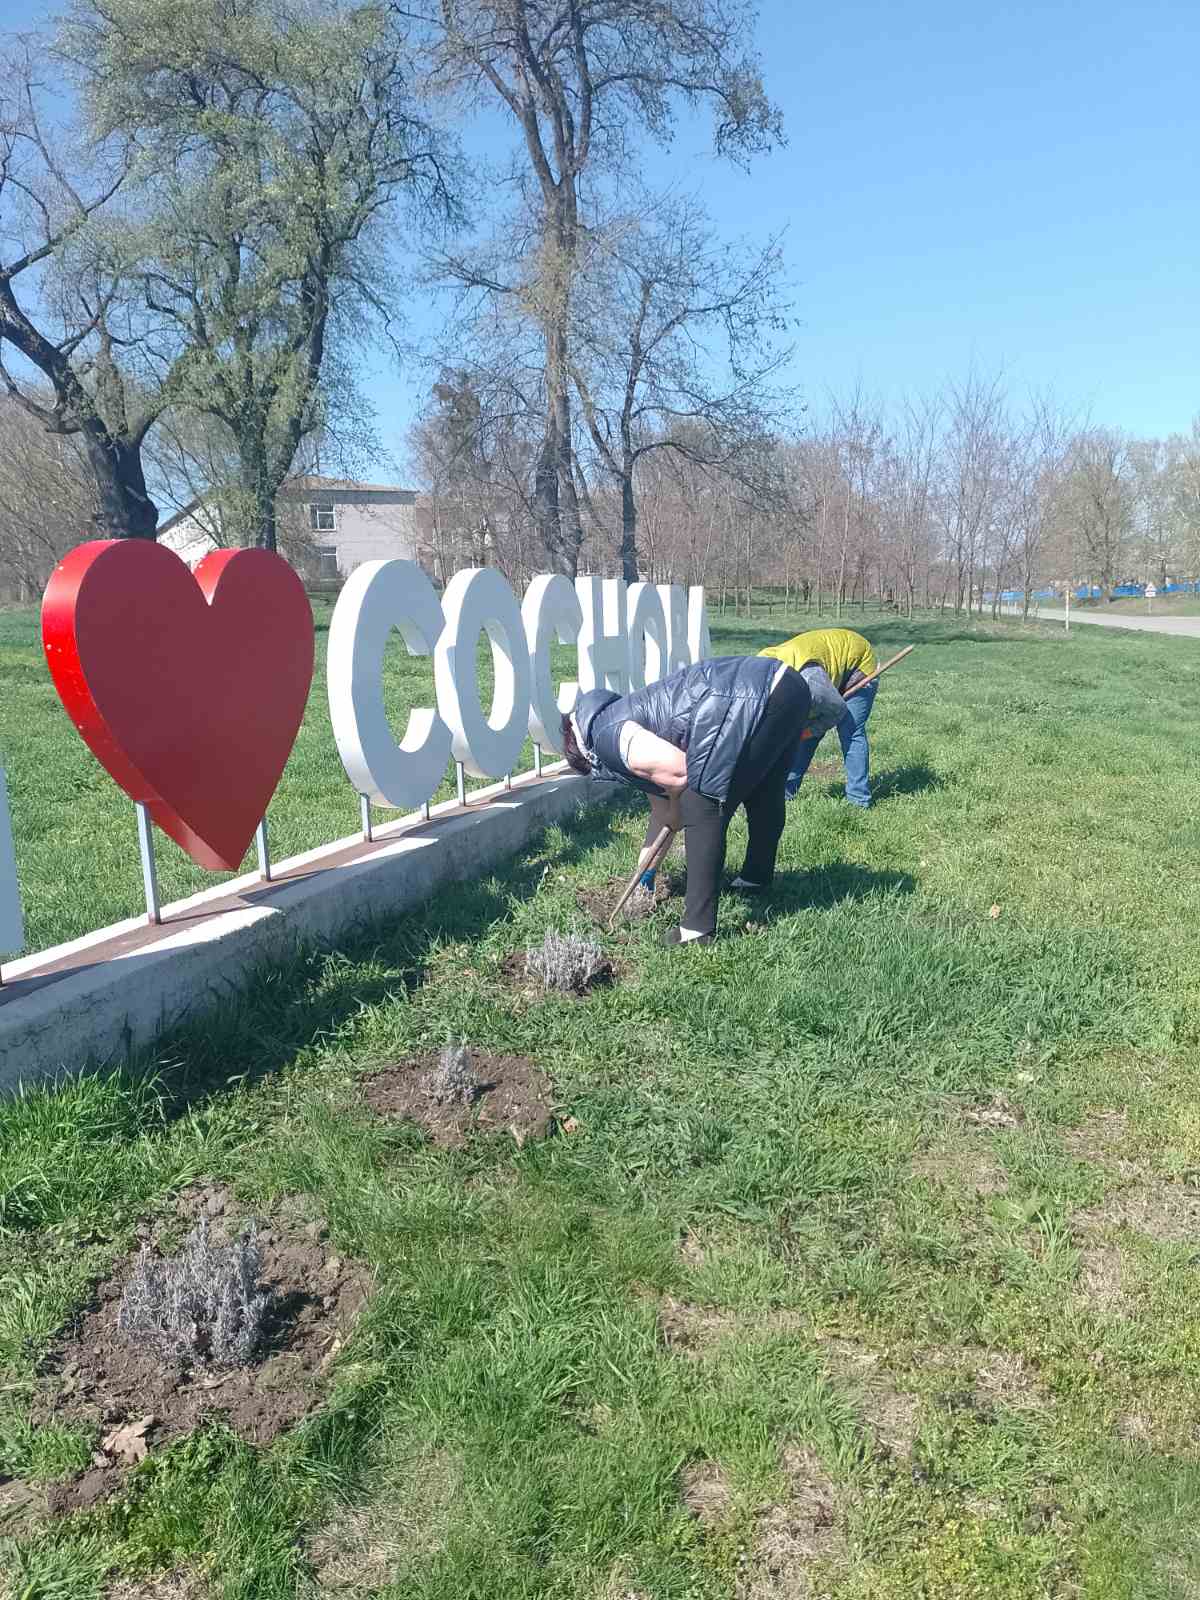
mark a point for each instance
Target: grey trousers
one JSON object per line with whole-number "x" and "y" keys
{"x": 758, "y": 784}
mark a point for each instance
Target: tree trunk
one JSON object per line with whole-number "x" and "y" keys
{"x": 124, "y": 509}
{"x": 629, "y": 551}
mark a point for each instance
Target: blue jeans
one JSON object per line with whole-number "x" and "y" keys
{"x": 852, "y": 732}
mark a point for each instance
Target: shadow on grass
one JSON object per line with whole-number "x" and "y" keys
{"x": 820, "y": 888}
{"x": 318, "y": 991}
{"x": 916, "y": 778}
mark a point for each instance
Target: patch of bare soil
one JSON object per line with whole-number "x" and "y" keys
{"x": 999, "y": 1114}
{"x": 691, "y": 1249}
{"x": 512, "y": 969}
{"x": 972, "y": 1171}
{"x": 360, "y": 1551}
{"x": 1003, "y": 1378}
{"x": 892, "y": 1416}
{"x": 514, "y": 1096}
{"x": 704, "y": 1490}
{"x": 1101, "y": 1276}
{"x": 98, "y": 1378}
{"x": 692, "y": 1330}
{"x": 792, "y": 1538}
{"x": 981, "y": 1380}
{"x": 1168, "y": 1213}
{"x": 598, "y": 900}
{"x": 22, "y": 1505}
{"x": 174, "y": 1586}
{"x": 1098, "y": 1139}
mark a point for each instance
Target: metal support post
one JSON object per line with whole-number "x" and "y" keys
{"x": 149, "y": 870}
{"x": 537, "y": 760}
{"x": 364, "y": 805}
{"x": 264, "y": 851}
{"x": 460, "y": 773}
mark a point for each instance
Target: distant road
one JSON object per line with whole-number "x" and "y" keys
{"x": 1186, "y": 627}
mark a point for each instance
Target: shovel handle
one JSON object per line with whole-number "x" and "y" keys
{"x": 658, "y": 854}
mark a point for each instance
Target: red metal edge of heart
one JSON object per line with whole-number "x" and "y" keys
{"x": 189, "y": 688}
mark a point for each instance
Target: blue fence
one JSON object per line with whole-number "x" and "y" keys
{"x": 1121, "y": 591}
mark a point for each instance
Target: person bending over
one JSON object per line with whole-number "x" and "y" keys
{"x": 701, "y": 742}
{"x": 847, "y": 658}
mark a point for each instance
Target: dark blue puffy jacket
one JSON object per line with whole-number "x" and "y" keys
{"x": 709, "y": 710}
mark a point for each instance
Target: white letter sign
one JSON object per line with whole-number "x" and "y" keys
{"x": 377, "y": 597}
{"x": 477, "y": 600}
{"x": 699, "y": 639}
{"x": 604, "y": 635}
{"x": 648, "y": 647}
{"x": 550, "y": 611}
{"x": 675, "y": 605}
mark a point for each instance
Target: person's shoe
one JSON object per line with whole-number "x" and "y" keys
{"x": 747, "y": 887}
{"x": 675, "y": 936}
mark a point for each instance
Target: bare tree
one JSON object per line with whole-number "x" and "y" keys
{"x": 675, "y": 346}
{"x": 1099, "y": 502}
{"x": 578, "y": 76}
{"x": 47, "y": 500}
{"x": 272, "y": 141}
{"x": 72, "y": 353}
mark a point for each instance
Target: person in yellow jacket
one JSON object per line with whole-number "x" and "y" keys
{"x": 848, "y": 658}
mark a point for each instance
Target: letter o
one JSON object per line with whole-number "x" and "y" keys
{"x": 477, "y": 600}
{"x": 377, "y": 597}
{"x": 550, "y": 611}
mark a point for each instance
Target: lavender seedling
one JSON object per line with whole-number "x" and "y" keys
{"x": 202, "y": 1307}
{"x": 452, "y": 1082}
{"x": 566, "y": 962}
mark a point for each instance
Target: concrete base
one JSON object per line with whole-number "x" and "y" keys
{"x": 98, "y": 998}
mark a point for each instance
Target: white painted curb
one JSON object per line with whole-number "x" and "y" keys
{"x": 108, "y": 1003}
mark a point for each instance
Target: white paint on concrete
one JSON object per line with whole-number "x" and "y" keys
{"x": 105, "y": 1008}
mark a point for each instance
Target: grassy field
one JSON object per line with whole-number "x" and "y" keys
{"x": 864, "y": 1266}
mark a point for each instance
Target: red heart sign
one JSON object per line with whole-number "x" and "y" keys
{"x": 188, "y": 688}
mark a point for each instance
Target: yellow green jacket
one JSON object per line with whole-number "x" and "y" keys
{"x": 839, "y": 650}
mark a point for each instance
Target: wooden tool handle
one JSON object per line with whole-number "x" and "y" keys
{"x": 879, "y": 671}
{"x": 658, "y": 854}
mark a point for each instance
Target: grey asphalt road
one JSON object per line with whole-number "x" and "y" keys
{"x": 1184, "y": 627}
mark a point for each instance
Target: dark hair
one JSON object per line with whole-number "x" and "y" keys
{"x": 576, "y": 758}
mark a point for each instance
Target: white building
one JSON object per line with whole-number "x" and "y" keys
{"x": 341, "y": 524}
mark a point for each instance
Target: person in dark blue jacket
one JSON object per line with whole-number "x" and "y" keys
{"x": 701, "y": 742}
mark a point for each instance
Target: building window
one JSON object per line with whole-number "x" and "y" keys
{"x": 321, "y": 517}
{"x": 327, "y": 567}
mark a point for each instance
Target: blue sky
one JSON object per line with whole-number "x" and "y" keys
{"x": 1011, "y": 184}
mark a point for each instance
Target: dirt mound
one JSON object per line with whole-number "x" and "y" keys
{"x": 97, "y": 1378}
{"x": 598, "y": 900}
{"x": 514, "y": 1096}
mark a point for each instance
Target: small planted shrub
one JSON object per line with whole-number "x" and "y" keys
{"x": 203, "y": 1307}
{"x": 452, "y": 1081}
{"x": 566, "y": 961}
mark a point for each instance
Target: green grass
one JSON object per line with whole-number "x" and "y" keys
{"x": 792, "y": 1105}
